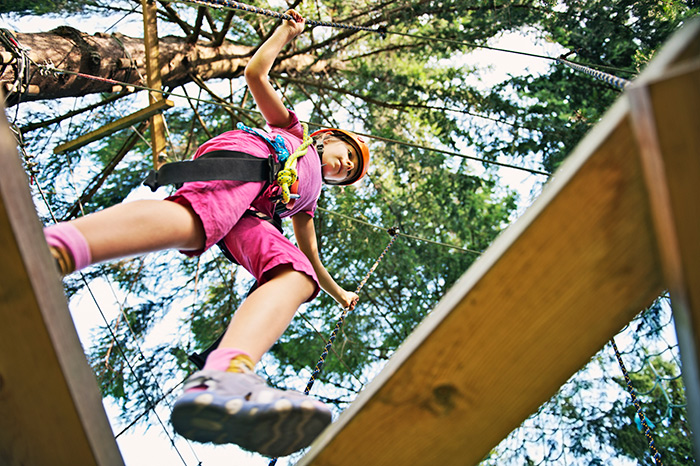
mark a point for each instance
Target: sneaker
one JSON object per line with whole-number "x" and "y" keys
{"x": 63, "y": 259}
{"x": 225, "y": 407}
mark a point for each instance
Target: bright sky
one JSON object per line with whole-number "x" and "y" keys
{"x": 151, "y": 446}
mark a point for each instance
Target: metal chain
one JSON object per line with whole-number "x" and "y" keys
{"x": 339, "y": 324}
{"x": 640, "y": 413}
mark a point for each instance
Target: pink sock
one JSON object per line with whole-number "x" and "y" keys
{"x": 65, "y": 236}
{"x": 220, "y": 358}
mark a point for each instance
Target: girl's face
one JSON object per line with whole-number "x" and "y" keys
{"x": 339, "y": 159}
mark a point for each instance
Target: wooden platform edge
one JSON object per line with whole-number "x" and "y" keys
{"x": 619, "y": 112}
{"x": 45, "y": 380}
{"x": 461, "y": 288}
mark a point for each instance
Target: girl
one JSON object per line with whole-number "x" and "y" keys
{"x": 226, "y": 402}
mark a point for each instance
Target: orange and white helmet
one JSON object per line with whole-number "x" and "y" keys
{"x": 359, "y": 145}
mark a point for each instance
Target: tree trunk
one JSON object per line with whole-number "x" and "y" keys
{"x": 121, "y": 58}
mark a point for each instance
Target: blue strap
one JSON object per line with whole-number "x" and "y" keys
{"x": 277, "y": 143}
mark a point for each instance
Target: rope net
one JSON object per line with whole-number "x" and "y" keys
{"x": 592, "y": 417}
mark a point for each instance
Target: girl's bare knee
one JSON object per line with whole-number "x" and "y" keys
{"x": 303, "y": 283}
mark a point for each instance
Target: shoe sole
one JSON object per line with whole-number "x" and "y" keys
{"x": 272, "y": 429}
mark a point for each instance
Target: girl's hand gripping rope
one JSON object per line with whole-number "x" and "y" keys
{"x": 296, "y": 27}
{"x": 348, "y": 299}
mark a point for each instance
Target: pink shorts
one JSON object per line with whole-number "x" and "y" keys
{"x": 255, "y": 243}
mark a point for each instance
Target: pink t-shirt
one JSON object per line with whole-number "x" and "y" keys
{"x": 308, "y": 166}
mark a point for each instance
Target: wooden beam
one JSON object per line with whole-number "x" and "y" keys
{"x": 50, "y": 406}
{"x": 546, "y": 296}
{"x": 664, "y": 112}
{"x": 153, "y": 78}
{"x": 106, "y": 130}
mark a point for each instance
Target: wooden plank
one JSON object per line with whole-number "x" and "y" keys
{"x": 115, "y": 126}
{"x": 544, "y": 298}
{"x": 153, "y": 78}
{"x": 664, "y": 112}
{"x": 51, "y": 410}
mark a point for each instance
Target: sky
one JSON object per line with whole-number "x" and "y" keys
{"x": 151, "y": 445}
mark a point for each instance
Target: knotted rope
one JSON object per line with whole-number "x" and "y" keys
{"x": 339, "y": 324}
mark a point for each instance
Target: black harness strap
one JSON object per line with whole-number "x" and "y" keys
{"x": 215, "y": 165}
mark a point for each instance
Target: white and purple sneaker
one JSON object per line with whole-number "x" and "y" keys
{"x": 240, "y": 408}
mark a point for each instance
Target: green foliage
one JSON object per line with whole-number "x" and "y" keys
{"x": 617, "y": 37}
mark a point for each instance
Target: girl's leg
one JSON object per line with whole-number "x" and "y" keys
{"x": 138, "y": 227}
{"x": 227, "y": 403}
{"x": 266, "y": 313}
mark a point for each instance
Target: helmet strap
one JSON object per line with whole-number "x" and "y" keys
{"x": 319, "y": 149}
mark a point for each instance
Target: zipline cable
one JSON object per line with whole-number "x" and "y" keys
{"x": 53, "y": 69}
{"x": 231, "y": 5}
{"x": 382, "y": 30}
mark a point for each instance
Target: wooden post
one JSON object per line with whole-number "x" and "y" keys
{"x": 150, "y": 39}
{"x": 150, "y": 111}
{"x": 51, "y": 409}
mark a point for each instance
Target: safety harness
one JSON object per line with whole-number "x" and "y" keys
{"x": 240, "y": 166}
{"x": 236, "y": 165}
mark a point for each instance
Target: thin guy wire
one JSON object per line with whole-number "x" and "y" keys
{"x": 417, "y": 238}
{"x": 131, "y": 369}
{"x": 121, "y": 350}
{"x": 638, "y": 406}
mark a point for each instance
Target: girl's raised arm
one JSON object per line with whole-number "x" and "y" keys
{"x": 258, "y": 68}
